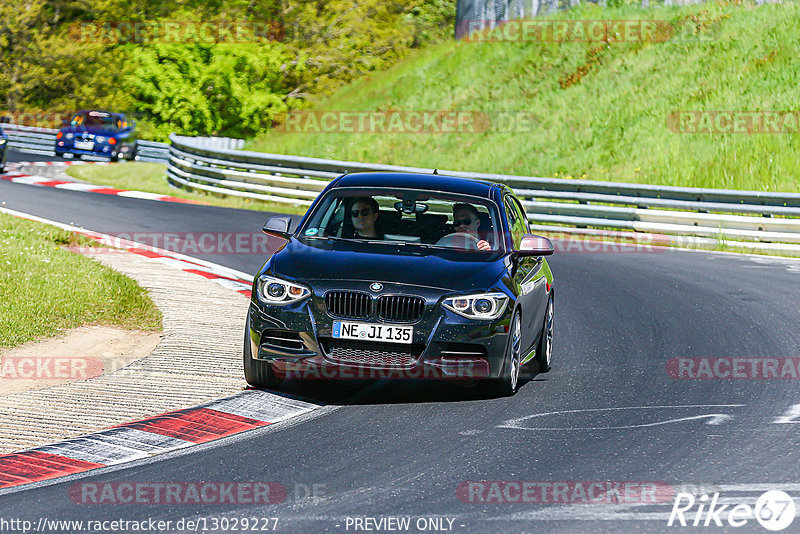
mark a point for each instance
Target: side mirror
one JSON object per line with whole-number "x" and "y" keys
{"x": 278, "y": 226}
{"x": 535, "y": 245}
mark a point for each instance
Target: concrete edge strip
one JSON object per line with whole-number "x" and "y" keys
{"x": 156, "y": 435}
{"x": 27, "y": 179}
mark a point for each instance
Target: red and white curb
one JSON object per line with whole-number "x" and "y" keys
{"x": 224, "y": 276}
{"x": 171, "y": 431}
{"x": 16, "y": 165}
{"x": 27, "y": 179}
{"x": 156, "y": 435}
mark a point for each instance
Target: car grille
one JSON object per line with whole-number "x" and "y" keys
{"x": 348, "y": 304}
{"x": 400, "y": 309}
{"x": 370, "y": 354}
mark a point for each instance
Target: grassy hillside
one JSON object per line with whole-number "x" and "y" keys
{"x": 600, "y": 110}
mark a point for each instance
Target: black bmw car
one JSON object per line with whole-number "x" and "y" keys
{"x": 97, "y": 133}
{"x": 405, "y": 276}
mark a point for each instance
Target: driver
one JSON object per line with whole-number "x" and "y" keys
{"x": 466, "y": 220}
{"x": 364, "y": 216}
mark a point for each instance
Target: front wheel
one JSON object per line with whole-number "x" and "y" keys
{"x": 257, "y": 373}
{"x": 508, "y": 383}
{"x": 544, "y": 351}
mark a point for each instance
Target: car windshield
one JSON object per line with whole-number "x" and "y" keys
{"x": 411, "y": 217}
{"x": 98, "y": 120}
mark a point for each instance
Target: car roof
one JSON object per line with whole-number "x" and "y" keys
{"x": 403, "y": 180}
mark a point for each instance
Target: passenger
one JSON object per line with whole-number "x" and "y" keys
{"x": 364, "y": 216}
{"x": 467, "y": 221}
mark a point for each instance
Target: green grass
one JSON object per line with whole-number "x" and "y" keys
{"x": 45, "y": 289}
{"x": 150, "y": 177}
{"x": 610, "y": 125}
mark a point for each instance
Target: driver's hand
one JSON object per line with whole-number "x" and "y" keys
{"x": 484, "y": 245}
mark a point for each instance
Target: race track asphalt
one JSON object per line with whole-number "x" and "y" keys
{"x": 609, "y": 410}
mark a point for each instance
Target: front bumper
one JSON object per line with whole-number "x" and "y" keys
{"x": 297, "y": 340}
{"x": 102, "y": 151}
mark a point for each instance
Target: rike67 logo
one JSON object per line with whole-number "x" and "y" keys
{"x": 774, "y": 510}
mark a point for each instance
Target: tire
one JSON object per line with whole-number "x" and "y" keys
{"x": 256, "y": 372}
{"x": 508, "y": 383}
{"x": 544, "y": 350}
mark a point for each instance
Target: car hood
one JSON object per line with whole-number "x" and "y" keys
{"x": 317, "y": 259}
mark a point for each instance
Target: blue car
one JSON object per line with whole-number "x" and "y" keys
{"x": 97, "y": 133}
{"x": 3, "y": 151}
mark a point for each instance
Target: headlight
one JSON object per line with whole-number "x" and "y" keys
{"x": 479, "y": 306}
{"x": 69, "y": 136}
{"x": 2, "y": 140}
{"x": 279, "y": 292}
{"x": 100, "y": 139}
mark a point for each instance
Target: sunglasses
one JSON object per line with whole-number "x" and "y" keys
{"x": 462, "y": 222}
{"x": 363, "y": 212}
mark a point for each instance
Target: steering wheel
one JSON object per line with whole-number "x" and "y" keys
{"x": 461, "y": 240}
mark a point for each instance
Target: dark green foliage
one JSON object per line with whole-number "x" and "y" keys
{"x": 49, "y": 62}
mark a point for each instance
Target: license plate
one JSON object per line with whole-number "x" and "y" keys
{"x": 84, "y": 145}
{"x": 373, "y": 332}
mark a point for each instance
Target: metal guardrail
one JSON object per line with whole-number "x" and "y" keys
{"x": 30, "y": 139}
{"x": 216, "y": 165}
{"x": 152, "y": 151}
{"x": 551, "y": 203}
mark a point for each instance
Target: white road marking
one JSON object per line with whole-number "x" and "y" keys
{"x": 77, "y": 186}
{"x": 30, "y": 180}
{"x": 715, "y": 419}
{"x": 140, "y": 194}
{"x": 790, "y": 416}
